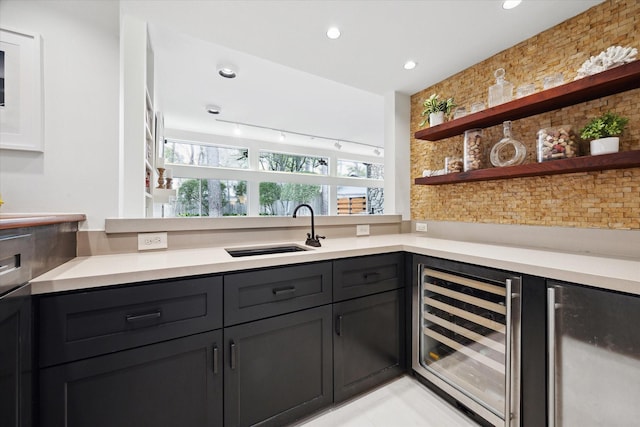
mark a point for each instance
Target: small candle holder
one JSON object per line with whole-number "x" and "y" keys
{"x": 160, "y": 178}
{"x": 168, "y": 184}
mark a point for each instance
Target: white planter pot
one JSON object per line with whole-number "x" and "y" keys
{"x": 605, "y": 145}
{"x": 436, "y": 118}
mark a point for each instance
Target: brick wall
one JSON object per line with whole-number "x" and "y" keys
{"x": 606, "y": 199}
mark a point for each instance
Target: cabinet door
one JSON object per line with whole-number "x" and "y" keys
{"x": 369, "y": 342}
{"x": 594, "y": 357}
{"x": 15, "y": 358}
{"x": 174, "y": 383}
{"x": 278, "y": 369}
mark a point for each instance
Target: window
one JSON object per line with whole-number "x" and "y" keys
{"x": 281, "y": 198}
{"x": 217, "y": 176}
{"x": 186, "y": 153}
{"x": 272, "y": 161}
{"x": 210, "y": 197}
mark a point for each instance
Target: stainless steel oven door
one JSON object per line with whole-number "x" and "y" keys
{"x": 467, "y": 340}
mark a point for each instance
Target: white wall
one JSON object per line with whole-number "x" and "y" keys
{"x": 78, "y": 171}
{"x": 397, "y": 165}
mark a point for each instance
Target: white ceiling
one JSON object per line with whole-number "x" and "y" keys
{"x": 292, "y": 77}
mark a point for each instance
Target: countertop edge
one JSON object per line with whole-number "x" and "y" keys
{"x": 10, "y": 221}
{"x": 109, "y": 270}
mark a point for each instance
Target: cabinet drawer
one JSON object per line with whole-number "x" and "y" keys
{"x": 356, "y": 277}
{"x": 258, "y": 294}
{"x": 81, "y": 325}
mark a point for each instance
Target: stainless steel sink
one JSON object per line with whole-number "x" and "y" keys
{"x": 265, "y": 250}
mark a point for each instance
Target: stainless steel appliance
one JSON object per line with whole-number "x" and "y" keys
{"x": 594, "y": 357}
{"x": 15, "y": 330}
{"x": 466, "y": 339}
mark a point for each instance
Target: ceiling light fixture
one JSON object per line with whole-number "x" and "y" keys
{"x": 213, "y": 109}
{"x": 510, "y": 4}
{"x": 237, "y": 130}
{"x": 333, "y": 33}
{"x": 282, "y": 137}
{"x": 337, "y": 145}
{"x": 228, "y": 71}
{"x": 376, "y": 151}
{"x": 410, "y": 65}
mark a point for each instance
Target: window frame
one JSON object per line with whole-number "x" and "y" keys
{"x": 254, "y": 175}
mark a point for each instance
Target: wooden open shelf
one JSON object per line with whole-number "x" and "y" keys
{"x": 615, "y": 80}
{"x": 622, "y": 160}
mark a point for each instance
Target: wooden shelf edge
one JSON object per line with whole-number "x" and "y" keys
{"x": 620, "y": 79}
{"x": 621, "y": 160}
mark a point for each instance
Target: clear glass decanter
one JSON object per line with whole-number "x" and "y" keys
{"x": 507, "y": 151}
{"x": 500, "y": 92}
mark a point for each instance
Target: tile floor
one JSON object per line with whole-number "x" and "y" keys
{"x": 401, "y": 403}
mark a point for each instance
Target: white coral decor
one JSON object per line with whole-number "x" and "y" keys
{"x": 612, "y": 57}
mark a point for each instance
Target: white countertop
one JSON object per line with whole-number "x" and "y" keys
{"x": 105, "y": 270}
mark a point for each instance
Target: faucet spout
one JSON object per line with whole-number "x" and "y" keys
{"x": 312, "y": 238}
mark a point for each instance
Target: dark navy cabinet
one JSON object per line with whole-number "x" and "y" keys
{"x": 260, "y": 347}
{"x": 144, "y": 354}
{"x": 15, "y": 358}
{"x": 173, "y": 383}
{"x": 369, "y": 342}
{"x": 279, "y": 369}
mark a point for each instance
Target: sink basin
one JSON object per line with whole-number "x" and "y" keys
{"x": 265, "y": 250}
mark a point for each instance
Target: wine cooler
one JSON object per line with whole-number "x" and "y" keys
{"x": 466, "y": 336}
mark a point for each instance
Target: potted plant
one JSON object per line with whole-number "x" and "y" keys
{"x": 604, "y": 132}
{"x": 436, "y": 109}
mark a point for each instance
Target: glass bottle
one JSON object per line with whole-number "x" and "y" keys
{"x": 500, "y": 92}
{"x": 507, "y": 151}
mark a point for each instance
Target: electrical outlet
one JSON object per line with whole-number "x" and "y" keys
{"x": 148, "y": 241}
{"x": 421, "y": 226}
{"x": 362, "y": 230}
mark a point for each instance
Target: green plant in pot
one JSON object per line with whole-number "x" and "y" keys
{"x": 604, "y": 133}
{"x": 436, "y": 109}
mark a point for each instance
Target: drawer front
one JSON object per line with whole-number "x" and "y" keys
{"x": 356, "y": 277}
{"x": 258, "y": 294}
{"x": 81, "y": 325}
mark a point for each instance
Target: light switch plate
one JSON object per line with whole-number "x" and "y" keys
{"x": 147, "y": 241}
{"x": 362, "y": 230}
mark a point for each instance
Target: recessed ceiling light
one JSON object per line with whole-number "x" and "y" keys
{"x": 213, "y": 109}
{"x": 227, "y": 71}
{"x": 333, "y": 33}
{"x": 410, "y": 65}
{"x": 510, "y": 4}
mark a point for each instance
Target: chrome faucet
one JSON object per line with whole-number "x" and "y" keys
{"x": 312, "y": 238}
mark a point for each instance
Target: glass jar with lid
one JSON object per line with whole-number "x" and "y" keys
{"x": 502, "y": 91}
{"x": 557, "y": 143}
{"x": 473, "y": 150}
{"x": 507, "y": 151}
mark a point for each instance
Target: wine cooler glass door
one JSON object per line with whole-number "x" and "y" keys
{"x": 465, "y": 332}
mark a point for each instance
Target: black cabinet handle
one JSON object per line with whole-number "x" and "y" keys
{"x": 234, "y": 354}
{"x": 138, "y": 317}
{"x": 372, "y": 275}
{"x": 215, "y": 360}
{"x": 284, "y": 291}
{"x": 339, "y": 325}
